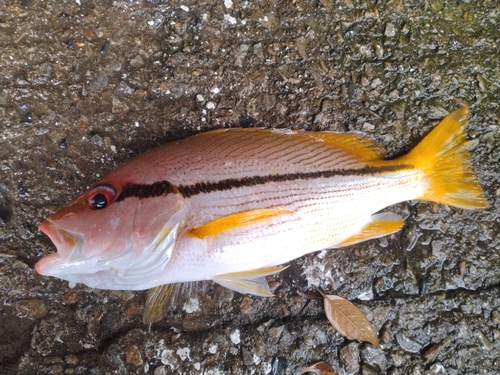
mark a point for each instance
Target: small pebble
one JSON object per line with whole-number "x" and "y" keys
{"x": 137, "y": 61}
{"x": 100, "y": 82}
{"x": 368, "y": 127}
{"x": 177, "y": 89}
{"x": 390, "y": 29}
{"x": 349, "y": 357}
{"x": 70, "y": 298}
{"x": 374, "y": 356}
{"x": 118, "y": 107}
{"x": 33, "y": 309}
{"x": 113, "y": 66}
{"x": 408, "y": 344}
{"x": 96, "y": 139}
{"x": 133, "y": 356}
{"x": 124, "y": 88}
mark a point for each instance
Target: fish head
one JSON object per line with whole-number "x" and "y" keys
{"x": 110, "y": 238}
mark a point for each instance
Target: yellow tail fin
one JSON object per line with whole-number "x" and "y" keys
{"x": 444, "y": 158}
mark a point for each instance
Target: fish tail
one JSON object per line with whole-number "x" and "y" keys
{"x": 444, "y": 158}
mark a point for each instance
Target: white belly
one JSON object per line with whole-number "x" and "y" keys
{"x": 322, "y": 215}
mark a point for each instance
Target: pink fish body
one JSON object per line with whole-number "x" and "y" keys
{"x": 233, "y": 205}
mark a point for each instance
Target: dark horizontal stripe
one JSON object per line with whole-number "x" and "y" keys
{"x": 231, "y": 183}
{"x": 147, "y": 191}
{"x": 165, "y": 187}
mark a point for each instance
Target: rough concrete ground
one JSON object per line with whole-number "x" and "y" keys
{"x": 85, "y": 87}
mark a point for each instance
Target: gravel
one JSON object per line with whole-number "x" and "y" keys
{"x": 86, "y": 85}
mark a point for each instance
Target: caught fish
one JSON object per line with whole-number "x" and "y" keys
{"x": 234, "y": 205}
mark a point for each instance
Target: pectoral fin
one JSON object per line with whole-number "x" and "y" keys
{"x": 241, "y": 219}
{"x": 379, "y": 225}
{"x": 249, "y": 282}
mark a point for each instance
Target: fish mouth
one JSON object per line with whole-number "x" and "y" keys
{"x": 66, "y": 243}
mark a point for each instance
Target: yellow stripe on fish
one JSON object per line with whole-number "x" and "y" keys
{"x": 241, "y": 219}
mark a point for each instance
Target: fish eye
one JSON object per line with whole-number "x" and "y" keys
{"x": 101, "y": 196}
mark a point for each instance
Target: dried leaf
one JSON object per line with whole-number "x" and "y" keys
{"x": 348, "y": 320}
{"x": 320, "y": 368}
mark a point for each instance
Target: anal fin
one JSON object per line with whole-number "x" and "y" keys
{"x": 249, "y": 282}
{"x": 380, "y": 225}
{"x": 238, "y": 220}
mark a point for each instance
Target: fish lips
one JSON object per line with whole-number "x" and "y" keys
{"x": 68, "y": 246}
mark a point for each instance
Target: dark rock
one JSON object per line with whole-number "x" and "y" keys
{"x": 5, "y": 214}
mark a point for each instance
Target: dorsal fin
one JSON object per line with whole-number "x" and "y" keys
{"x": 352, "y": 143}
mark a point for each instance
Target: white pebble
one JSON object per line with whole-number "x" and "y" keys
{"x": 235, "y": 337}
{"x": 368, "y": 127}
{"x": 229, "y": 18}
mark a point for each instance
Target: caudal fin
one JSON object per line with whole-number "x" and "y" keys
{"x": 444, "y": 158}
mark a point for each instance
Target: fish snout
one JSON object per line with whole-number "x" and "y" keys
{"x": 64, "y": 241}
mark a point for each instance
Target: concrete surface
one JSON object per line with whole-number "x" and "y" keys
{"x": 84, "y": 87}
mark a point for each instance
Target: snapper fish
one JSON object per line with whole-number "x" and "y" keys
{"x": 234, "y": 205}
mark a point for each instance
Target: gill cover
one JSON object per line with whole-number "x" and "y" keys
{"x": 124, "y": 245}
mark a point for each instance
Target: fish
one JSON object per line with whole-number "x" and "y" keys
{"x": 236, "y": 205}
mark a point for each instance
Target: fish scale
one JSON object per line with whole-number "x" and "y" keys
{"x": 325, "y": 219}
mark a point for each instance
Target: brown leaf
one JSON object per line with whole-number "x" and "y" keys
{"x": 348, "y": 320}
{"x": 320, "y": 368}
